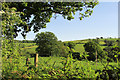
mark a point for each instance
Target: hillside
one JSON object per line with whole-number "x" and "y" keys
{"x": 79, "y": 47}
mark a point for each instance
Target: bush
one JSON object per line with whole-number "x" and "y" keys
{"x": 112, "y": 51}
{"x": 109, "y": 42}
{"x": 70, "y": 45}
{"x": 92, "y": 47}
{"x": 76, "y": 55}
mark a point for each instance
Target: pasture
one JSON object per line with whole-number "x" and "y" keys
{"x": 68, "y": 67}
{"x": 55, "y": 63}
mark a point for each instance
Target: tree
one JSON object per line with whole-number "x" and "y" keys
{"x": 71, "y": 45}
{"x": 46, "y": 42}
{"x": 38, "y": 14}
{"x": 101, "y": 37}
{"x": 11, "y": 57}
{"x": 48, "y": 45}
{"x": 61, "y": 50}
{"x": 9, "y": 19}
{"x": 92, "y": 47}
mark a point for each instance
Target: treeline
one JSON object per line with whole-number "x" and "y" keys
{"x": 24, "y": 41}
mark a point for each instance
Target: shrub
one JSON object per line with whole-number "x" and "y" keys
{"x": 76, "y": 55}
{"x": 109, "y": 42}
{"x": 112, "y": 51}
{"x": 92, "y": 47}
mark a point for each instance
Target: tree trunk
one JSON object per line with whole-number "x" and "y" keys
{"x": 36, "y": 60}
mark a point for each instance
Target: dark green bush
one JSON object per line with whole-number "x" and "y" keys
{"x": 112, "y": 51}
{"x": 76, "y": 55}
{"x": 92, "y": 48}
{"x": 109, "y": 42}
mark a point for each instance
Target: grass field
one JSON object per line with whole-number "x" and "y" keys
{"x": 30, "y": 49}
{"x": 58, "y": 60}
{"x": 84, "y": 68}
{"x": 54, "y": 63}
{"x": 86, "y": 64}
{"x": 79, "y": 48}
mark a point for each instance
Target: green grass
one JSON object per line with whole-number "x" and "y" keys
{"x": 101, "y": 42}
{"x": 78, "y": 41}
{"x": 28, "y": 44}
{"x": 30, "y": 49}
{"x": 87, "y": 67}
{"x": 49, "y": 60}
{"x": 57, "y": 60}
{"x": 79, "y": 48}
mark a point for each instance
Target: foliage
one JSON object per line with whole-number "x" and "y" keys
{"x": 108, "y": 72}
{"x": 96, "y": 40}
{"x": 76, "y": 55}
{"x": 42, "y": 12}
{"x": 48, "y": 45}
{"x": 62, "y": 50}
{"x": 71, "y": 45}
{"x": 91, "y": 47}
{"x": 109, "y": 42}
{"x": 69, "y": 70}
{"x": 9, "y": 19}
{"x": 112, "y": 51}
{"x": 46, "y": 42}
{"x": 10, "y": 51}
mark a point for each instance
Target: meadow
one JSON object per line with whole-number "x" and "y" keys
{"x": 80, "y": 69}
{"x": 79, "y": 47}
{"x": 57, "y": 67}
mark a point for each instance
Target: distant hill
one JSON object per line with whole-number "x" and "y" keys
{"x": 29, "y": 45}
{"x": 80, "y": 43}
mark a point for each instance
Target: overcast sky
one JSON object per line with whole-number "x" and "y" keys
{"x": 102, "y": 23}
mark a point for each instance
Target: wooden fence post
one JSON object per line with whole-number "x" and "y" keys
{"x": 27, "y": 61}
{"x": 36, "y": 60}
{"x": 96, "y": 57}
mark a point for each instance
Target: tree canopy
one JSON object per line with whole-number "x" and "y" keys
{"x": 92, "y": 47}
{"x": 37, "y": 14}
{"x": 71, "y": 45}
{"x": 46, "y": 42}
{"x": 48, "y": 45}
